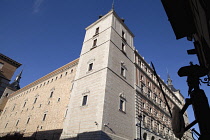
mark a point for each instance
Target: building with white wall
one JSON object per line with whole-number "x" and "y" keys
{"x": 98, "y": 96}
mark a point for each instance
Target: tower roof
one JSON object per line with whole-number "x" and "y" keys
{"x": 16, "y": 84}
{"x": 170, "y": 85}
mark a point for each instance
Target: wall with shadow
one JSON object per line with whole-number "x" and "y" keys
{"x": 94, "y": 135}
{"x": 39, "y": 135}
{"x": 55, "y": 135}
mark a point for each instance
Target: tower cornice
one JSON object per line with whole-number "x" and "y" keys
{"x": 111, "y": 12}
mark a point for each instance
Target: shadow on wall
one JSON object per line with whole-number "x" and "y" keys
{"x": 39, "y": 135}
{"x": 55, "y": 135}
{"x": 96, "y": 135}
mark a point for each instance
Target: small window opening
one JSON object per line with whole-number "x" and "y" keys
{"x": 94, "y": 42}
{"x": 51, "y": 94}
{"x": 28, "y": 121}
{"x": 35, "y": 100}
{"x": 97, "y": 31}
{"x": 44, "y": 118}
{"x": 90, "y": 67}
{"x": 84, "y": 101}
{"x": 17, "y": 123}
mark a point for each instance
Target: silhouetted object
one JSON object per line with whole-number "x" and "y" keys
{"x": 169, "y": 109}
{"x": 178, "y": 124}
{"x": 197, "y": 98}
{"x": 190, "y": 19}
{"x": 193, "y": 73}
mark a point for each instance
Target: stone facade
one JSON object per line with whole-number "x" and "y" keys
{"x": 40, "y": 107}
{"x": 98, "y": 96}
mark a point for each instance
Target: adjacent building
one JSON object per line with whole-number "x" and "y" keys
{"x": 7, "y": 68}
{"x": 102, "y": 95}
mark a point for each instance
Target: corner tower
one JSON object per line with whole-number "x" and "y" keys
{"x": 102, "y": 100}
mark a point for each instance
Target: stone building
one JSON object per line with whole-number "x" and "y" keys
{"x": 98, "y": 96}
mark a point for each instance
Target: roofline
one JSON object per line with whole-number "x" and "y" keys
{"x": 51, "y": 74}
{"x": 10, "y": 61}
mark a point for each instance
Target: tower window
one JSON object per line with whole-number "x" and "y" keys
{"x": 123, "y": 34}
{"x": 90, "y": 67}
{"x": 97, "y": 31}
{"x": 122, "y": 105}
{"x": 123, "y": 48}
{"x": 84, "y": 101}
{"x": 94, "y": 42}
{"x": 122, "y": 71}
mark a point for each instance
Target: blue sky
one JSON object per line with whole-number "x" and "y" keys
{"x": 44, "y": 35}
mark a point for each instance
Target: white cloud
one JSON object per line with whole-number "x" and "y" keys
{"x": 37, "y": 5}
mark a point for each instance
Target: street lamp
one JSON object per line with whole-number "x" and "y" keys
{"x": 139, "y": 125}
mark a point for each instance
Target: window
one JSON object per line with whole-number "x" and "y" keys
{"x": 158, "y": 127}
{"x": 28, "y": 121}
{"x": 123, "y": 34}
{"x": 1, "y": 65}
{"x": 44, "y": 118}
{"x": 149, "y": 93}
{"x": 59, "y": 99}
{"x": 35, "y": 100}
{"x": 97, "y": 31}
{"x": 144, "y": 119}
{"x": 66, "y": 113}
{"x": 122, "y": 71}
{"x": 17, "y": 123}
{"x": 123, "y": 48}
{"x": 51, "y": 94}
{"x": 24, "y": 104}
{"x": 84, "y": 101}
{"x": 13, "y": 108}
{"x": 94, "y": 42}
{"x": 122, "y": 105}
{"x": 152, "y": 124}
{"x": 143, "y": 104}
{"x": 6, "y": 125}
{"x": 7, "y": 94}
{"x": 90, "y": 67}
{"x": 150, "y": 109}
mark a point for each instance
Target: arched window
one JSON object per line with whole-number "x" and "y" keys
{"x": 153, "y": 138}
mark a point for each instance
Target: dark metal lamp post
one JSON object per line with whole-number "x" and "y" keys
{"x": 139, "y": 125}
